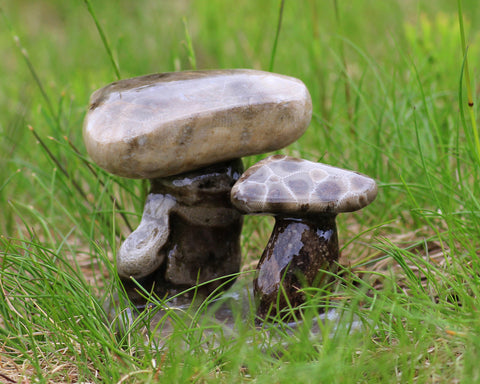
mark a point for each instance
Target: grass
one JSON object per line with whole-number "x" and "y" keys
{"x": 390, "y": 99}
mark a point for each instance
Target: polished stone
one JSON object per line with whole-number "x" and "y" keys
{"x": 290, "y": 186}
{"x": 165, "y": 124}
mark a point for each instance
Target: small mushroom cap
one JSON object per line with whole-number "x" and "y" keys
{"x": 283, "y": 185}
{"x": 166, "y": 124}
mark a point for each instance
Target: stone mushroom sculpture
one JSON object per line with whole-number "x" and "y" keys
{"x": 186, "y": 132}
{"x": 305, "y": 198}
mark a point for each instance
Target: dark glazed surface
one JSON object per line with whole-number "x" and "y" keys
{"x": 201, "y": 253}
{"x": 295, "y": 256}
{"x": 204, "y": 232}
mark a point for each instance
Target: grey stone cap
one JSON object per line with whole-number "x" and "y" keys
{"x": 289, "y": 186}
{"x": 165, "y": 124}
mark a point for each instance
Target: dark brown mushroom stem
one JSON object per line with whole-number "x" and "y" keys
{"x": 202, "y": 241}
{"x": 297, "y": 255}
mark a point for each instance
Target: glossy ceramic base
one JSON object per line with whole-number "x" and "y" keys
{"x": 194, "y": 241}
{"x": 297, "y": 256}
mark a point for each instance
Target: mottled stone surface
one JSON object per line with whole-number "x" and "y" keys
{"x": 287, "y": 185}
{"x": 140, "y": 253}
{"x": 165, "y": 124}
{"x": 297, "y": 255}
{"x": 189, "y": 234}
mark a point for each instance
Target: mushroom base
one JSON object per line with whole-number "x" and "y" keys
{"x": 200, "y": 242}
{"x": 300, "y": 253}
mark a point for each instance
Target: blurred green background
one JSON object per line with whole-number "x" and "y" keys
{"x": 384, "y": 78}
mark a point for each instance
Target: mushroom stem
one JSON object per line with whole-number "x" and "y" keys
{"x": 300, "y": 253}
{"x": 189, "y": 234}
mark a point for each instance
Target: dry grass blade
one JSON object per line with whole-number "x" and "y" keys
{"x": 58, "y": 164}
{"x": 115, "y": 202}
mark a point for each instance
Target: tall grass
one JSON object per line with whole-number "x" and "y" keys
{"x": 390, "y": 90}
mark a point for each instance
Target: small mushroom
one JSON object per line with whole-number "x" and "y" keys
{"x": 305, "y": 198}
{"x": 186, "y": 133}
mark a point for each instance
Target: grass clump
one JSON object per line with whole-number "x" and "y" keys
{"x": 392, "y": 98}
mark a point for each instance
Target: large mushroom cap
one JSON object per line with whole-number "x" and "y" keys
{"x": 165, "y": 124}
{"x": 290, "y": 186}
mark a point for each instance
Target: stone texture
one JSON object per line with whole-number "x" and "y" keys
{"x": 165, "y": 124}
{"x": 286, "y": 185}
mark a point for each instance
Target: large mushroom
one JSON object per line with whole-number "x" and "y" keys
{"x": 305, "y": 198}
{"x": 186, "y": 133}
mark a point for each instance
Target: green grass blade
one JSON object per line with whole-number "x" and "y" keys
{"x": 30, "y": 66}
{"x": 189, "y": 45}
{"x": 105, "y": 42}
{"x": 470, "y": 101}
{"x": 277, "y": 34}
